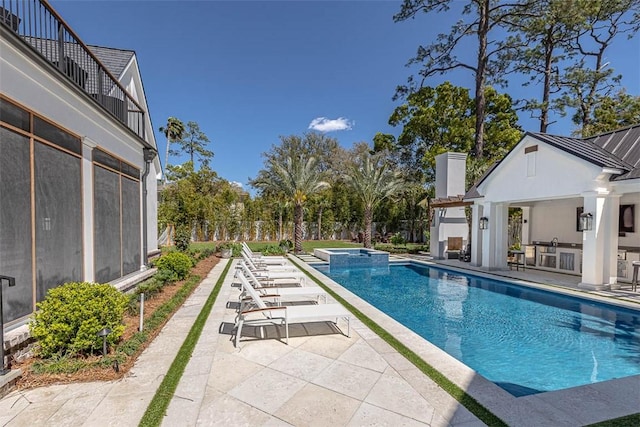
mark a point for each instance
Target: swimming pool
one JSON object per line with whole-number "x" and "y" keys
{"x": 524, "y": 340}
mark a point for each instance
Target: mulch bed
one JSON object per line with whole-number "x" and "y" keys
{"x": 29, "y": 379}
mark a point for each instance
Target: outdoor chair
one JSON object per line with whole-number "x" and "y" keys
{"x": 264, "y": 315}
{"x": 267, "y": 281}
{"x": 454, "y": 246}
{"x": 296, "y": 294}
{"x": 259, "y": 258}
{"x": 255, "y": 266}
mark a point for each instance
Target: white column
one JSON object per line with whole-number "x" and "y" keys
{"x": 526, "y": 222}
{"x": 434, "y": 235}
{"x": 87, "y": 209}
{"x": 494, "y": 238}
{"x": 611, "y": 218}
{"x": 599, "y": 257}
{"x": 476, "y": 235}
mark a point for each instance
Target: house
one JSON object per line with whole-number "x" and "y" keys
{"x": 580, "y": 203}
{"x": 78, "y": 158}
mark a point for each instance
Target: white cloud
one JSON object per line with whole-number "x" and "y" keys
{"x": 236, "y": 183}
{"x": 323, "y": 124}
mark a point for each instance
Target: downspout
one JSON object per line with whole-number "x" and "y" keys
{"x": 149, "y": 155}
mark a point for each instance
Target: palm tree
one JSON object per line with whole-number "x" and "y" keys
{"x": 296, "y": 178}
{"x": 174, "y": 131}
{"x": 372, "y": 181}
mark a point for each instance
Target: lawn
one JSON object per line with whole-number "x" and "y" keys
{"x": 307, "y": 245}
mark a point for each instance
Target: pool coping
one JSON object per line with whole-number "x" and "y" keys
{"x": 585, "y": 404}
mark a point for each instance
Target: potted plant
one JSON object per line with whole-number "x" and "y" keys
{"x": 225, "y": 249}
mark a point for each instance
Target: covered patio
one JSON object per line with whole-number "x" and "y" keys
{"x": 577, "y": 199}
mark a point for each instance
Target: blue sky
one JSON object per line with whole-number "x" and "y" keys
{"x": 250, "y": 71}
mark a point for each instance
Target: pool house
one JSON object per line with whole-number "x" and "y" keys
{"x": 580, "y": 207}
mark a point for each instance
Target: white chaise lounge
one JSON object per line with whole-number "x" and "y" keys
{"x": 258, "y": 258}
{"x": 263, "y": 315}
{"x": 275, "y": 293}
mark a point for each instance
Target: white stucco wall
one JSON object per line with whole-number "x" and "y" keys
{"x": 555, "y": 219}
{"x": 28, "y": 81}
{"x": 557, "y": 175}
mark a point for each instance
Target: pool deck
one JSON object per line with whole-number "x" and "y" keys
{"x": 322, "y": 378}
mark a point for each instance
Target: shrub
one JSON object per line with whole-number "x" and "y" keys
{"x": 397, "y": 239}
{"x": 286, "y": 245}
{"x": 182, "y": 237}
{"x": 273, "y": 250}
{"x": 175, "y": 262}
{"x": 71, "y": 315}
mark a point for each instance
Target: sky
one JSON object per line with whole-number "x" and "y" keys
{"x": 249, "y": 72}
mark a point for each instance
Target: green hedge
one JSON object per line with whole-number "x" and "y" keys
{"x": 71, "y": 315}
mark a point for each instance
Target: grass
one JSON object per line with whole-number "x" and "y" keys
{"x": 156, "y": 410}
{"x": 456, "y": 392}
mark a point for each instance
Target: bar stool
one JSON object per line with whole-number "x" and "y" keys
{"x": 634, "y": 280}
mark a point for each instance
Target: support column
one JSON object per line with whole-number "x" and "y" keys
{"x": 526, "y": 224}
{"x": 87, "y": 209}
{"x": 600, "y": 244}
{"x": 476, "y": 235}
{"x": 494, "y": 238}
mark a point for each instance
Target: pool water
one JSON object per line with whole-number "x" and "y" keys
{"x": 525, "y": 340}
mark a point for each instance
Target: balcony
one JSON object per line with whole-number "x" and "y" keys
{"x": 44, "y": 31}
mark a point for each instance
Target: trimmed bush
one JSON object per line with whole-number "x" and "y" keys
{"x": 176, "y": 262}
{"x": 71, "y": 315}
{"x": 182, "y": 237}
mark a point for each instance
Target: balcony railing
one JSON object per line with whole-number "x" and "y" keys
{"x": 40, "y": 27}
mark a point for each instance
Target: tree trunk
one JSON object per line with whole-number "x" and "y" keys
{"x": 483, "y": 30}
{"x": 297, "y": 218}
{"x": 368, "y": 219}
{"x": 280, "y": 226}
{"x": 320, "y": 223}
{"x": 546, "y": 89}
{"x": 166, "y": 160}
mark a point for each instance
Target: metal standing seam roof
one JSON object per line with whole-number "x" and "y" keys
{"x": 625, "y": 145}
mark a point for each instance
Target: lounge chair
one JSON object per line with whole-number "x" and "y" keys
{"x": 263, "y": 315}
{"x": 267, "y": 281}
{"x": 278, "y": 295}
{"x": 258, "y": 258}
{"x": 258, "y": 268}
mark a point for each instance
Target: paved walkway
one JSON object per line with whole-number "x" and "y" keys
{"x": 322, "y": 378}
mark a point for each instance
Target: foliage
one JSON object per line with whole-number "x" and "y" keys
{"x": 194, "y": 143}
{"x": 70, "y": 316}
{"x": 440, "y": 119}
{"x": 236, "y": 248}
{"x": 481, "y": 21}
{"x": 176, "y": 262}
{"x": 182, "y": 237}
{"x": 274, "y": 250}
{"x": 372, "y": 181}
{"x": 174, "y": 130}
{"x": 286, "y": 245}
{"x": 397, "y": 239}
{"x": 613, "y": 113}
{"x": 296, "y": 178}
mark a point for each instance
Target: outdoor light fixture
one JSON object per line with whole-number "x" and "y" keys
{"x": 586, "y": 221}
{"x": 103, "y": 333}
{"x": 484, "y": 223}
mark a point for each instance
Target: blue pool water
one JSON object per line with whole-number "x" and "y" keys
{"x": 524, "y": 340}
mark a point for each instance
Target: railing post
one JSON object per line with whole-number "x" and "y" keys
{"x": 61, "y": 47}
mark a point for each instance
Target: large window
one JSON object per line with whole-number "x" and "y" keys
{"x": 117, "y": 217}
{"x": 40, "y": 207}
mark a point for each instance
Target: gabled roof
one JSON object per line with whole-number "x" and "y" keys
{"x": 585, "y": 150}
{"x": 619, "y": 149}
{"x": 114, "y": 59}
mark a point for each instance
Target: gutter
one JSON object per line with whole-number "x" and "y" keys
{"x": 148, "y": 155}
